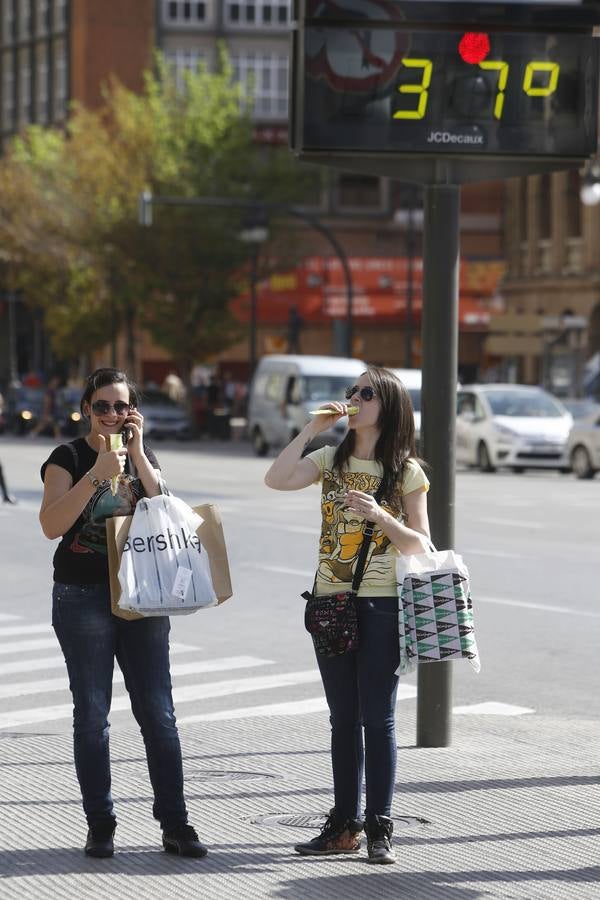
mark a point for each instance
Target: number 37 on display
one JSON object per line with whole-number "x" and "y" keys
{"x": 549, "y": 74}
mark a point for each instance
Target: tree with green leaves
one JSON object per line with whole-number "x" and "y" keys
{"x": 68, "y": 215}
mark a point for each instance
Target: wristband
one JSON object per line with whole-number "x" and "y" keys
{"x": 95, "y": 481}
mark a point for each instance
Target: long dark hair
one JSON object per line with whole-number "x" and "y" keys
{"x": 396, "y": 441}
{"x": 103, "y": 377}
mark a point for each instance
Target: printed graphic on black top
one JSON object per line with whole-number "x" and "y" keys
{"x": 91, "y": 536}
{"x": 82, "y": 556}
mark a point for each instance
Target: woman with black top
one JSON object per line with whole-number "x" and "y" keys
{"x": 77, "y": 500}
{"x": 377, "y": 457}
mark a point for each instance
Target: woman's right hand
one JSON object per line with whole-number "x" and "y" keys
{"x": 323, "y": 422}
{"x": 109, "y": 463}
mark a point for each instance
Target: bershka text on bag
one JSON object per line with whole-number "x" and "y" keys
{"x": 159, "y": 542}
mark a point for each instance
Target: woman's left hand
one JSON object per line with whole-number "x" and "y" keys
{"x": 364, "y": 504}
{"x": 134, "y": 423}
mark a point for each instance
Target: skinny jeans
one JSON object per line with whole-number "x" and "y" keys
{"x": 361, "y": 689}
{"x": 91, "y": 638}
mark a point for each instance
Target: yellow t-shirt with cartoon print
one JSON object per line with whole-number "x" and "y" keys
{"x": 341, "y": 529}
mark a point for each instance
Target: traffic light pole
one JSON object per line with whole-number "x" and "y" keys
{"x": 441, "y": 258}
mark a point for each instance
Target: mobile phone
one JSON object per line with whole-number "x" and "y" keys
{"x": 125, "y": 434}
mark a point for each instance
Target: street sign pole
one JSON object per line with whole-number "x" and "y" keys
{"x": 441, "y": 258}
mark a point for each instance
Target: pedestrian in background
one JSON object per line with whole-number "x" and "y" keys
{"x": 77, "y": 500}
{"x": 376, "y": 456}
{"x": 48, "y": 418}
{"x": 7, "y": 497}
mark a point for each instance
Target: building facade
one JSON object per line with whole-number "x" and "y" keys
{"x": 551, "y": 326}
{"x": 57, "y": 51}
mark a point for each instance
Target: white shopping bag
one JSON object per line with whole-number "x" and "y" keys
{"x": 164, "y": 569}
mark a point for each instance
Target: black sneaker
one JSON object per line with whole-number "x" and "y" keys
{"x": 337, "y": 836}
{"x": 184, "y": 841}
{"x": 379, "y": 831}
{"x": 99, "y": 841}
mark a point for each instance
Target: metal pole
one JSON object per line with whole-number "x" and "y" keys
{"x": 441, "y": 257}
{"x": 410, "y": 250}
{"x": 11, "y": 299}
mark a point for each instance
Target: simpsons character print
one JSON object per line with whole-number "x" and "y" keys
{"x": 342, "y": 532}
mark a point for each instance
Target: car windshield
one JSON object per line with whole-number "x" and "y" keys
{"x": 529, "y": 404}
{"x": 320, "y": 388}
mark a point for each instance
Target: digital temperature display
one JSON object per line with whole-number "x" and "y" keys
{"x": 377, "y": 90}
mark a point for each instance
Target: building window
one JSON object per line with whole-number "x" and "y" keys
{"x": 258, "y": 13}
{"x": 573, "y": 204}
{"x": 181, "y": 60}
{"x": 25, "y": 12}
{"x": 43, "y": 13}
{"x": 184, "y": 12}
{"x": 25, "y": 92}
{"x": 61, "y": 85}
{"x": 360, "y": 193}
{"x": 8, "y": 93}
{"x": 545, "y": 207}
{"x": 8, "y": 22}
{"x": 43, "y": 93}
{"x": 265, "y": 78}
{"x": 61, "y": 14}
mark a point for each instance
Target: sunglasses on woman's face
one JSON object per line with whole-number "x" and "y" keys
{"x": 365, "y": 393}
{"x": 103, "y": 407}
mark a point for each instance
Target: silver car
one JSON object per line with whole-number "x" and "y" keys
{"x": 583, "y": 447}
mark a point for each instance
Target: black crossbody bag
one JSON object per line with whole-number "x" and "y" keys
{"x": 332, "y": 619}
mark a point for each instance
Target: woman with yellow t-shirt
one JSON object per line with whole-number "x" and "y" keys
{"x": 377, "y": 454}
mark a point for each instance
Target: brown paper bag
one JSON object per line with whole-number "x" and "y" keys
{"x": 211, "y": 536}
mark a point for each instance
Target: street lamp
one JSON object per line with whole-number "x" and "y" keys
{"x": 254, "y": 232}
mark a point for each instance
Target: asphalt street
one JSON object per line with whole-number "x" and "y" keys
{"x": 508, "y": 812}
{"x": 530, "y": 541}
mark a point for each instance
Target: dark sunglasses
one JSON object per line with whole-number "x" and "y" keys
{"x": 103, "y": 407}
{"x": 365, "y": 393}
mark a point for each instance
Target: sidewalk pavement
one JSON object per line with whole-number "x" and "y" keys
{"x": 511, "y": 810}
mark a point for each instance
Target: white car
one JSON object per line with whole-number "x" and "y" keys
{"x": 583, "y": 447}
{"x": 511, "y": 425}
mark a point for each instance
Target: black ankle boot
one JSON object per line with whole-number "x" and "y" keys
{"x": 379, "y": 831}
{"x": 338, "y": 835}
{"x": 184, "y": 841}
{"x": 99, "y": 841}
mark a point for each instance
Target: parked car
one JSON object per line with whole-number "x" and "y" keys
{"x": 68, "y": 412}
{"x": 284, "y": 390}
{"x": 511, "y": 425}
{"x": 23, "y": 408}
{"x": 163, "y": 417}
{"x": 583, "y": 447}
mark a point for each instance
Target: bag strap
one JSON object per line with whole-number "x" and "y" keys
{"x": 364, "y": 547}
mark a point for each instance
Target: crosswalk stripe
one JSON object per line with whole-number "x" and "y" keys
{"x": 492, "y": 708}
{"x": 46, "y": 643}
{"x": 39, "y": 663}
{"x": 14, "y": 630}
{"x": 185, "y": 694}
{"x": 48, "y": 685}
{"x": 293, "y": 708}
{"x": 8, "y": 617}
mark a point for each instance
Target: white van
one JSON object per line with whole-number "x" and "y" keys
{"x": 412, "y": 380}
{"x": 286, "y": 388}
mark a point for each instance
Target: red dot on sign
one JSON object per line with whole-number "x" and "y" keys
{"x": 474, "y": 47}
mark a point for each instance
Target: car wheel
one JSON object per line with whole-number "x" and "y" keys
{"x": 581, "y": 462}
{"x": 259, "y": 445}
{"x": 483, "y": 459}
{"x": 518, "y": 470}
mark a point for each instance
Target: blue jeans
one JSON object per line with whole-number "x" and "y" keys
{"x": 90, "y": 638}
{"x": 361, "y": 688}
